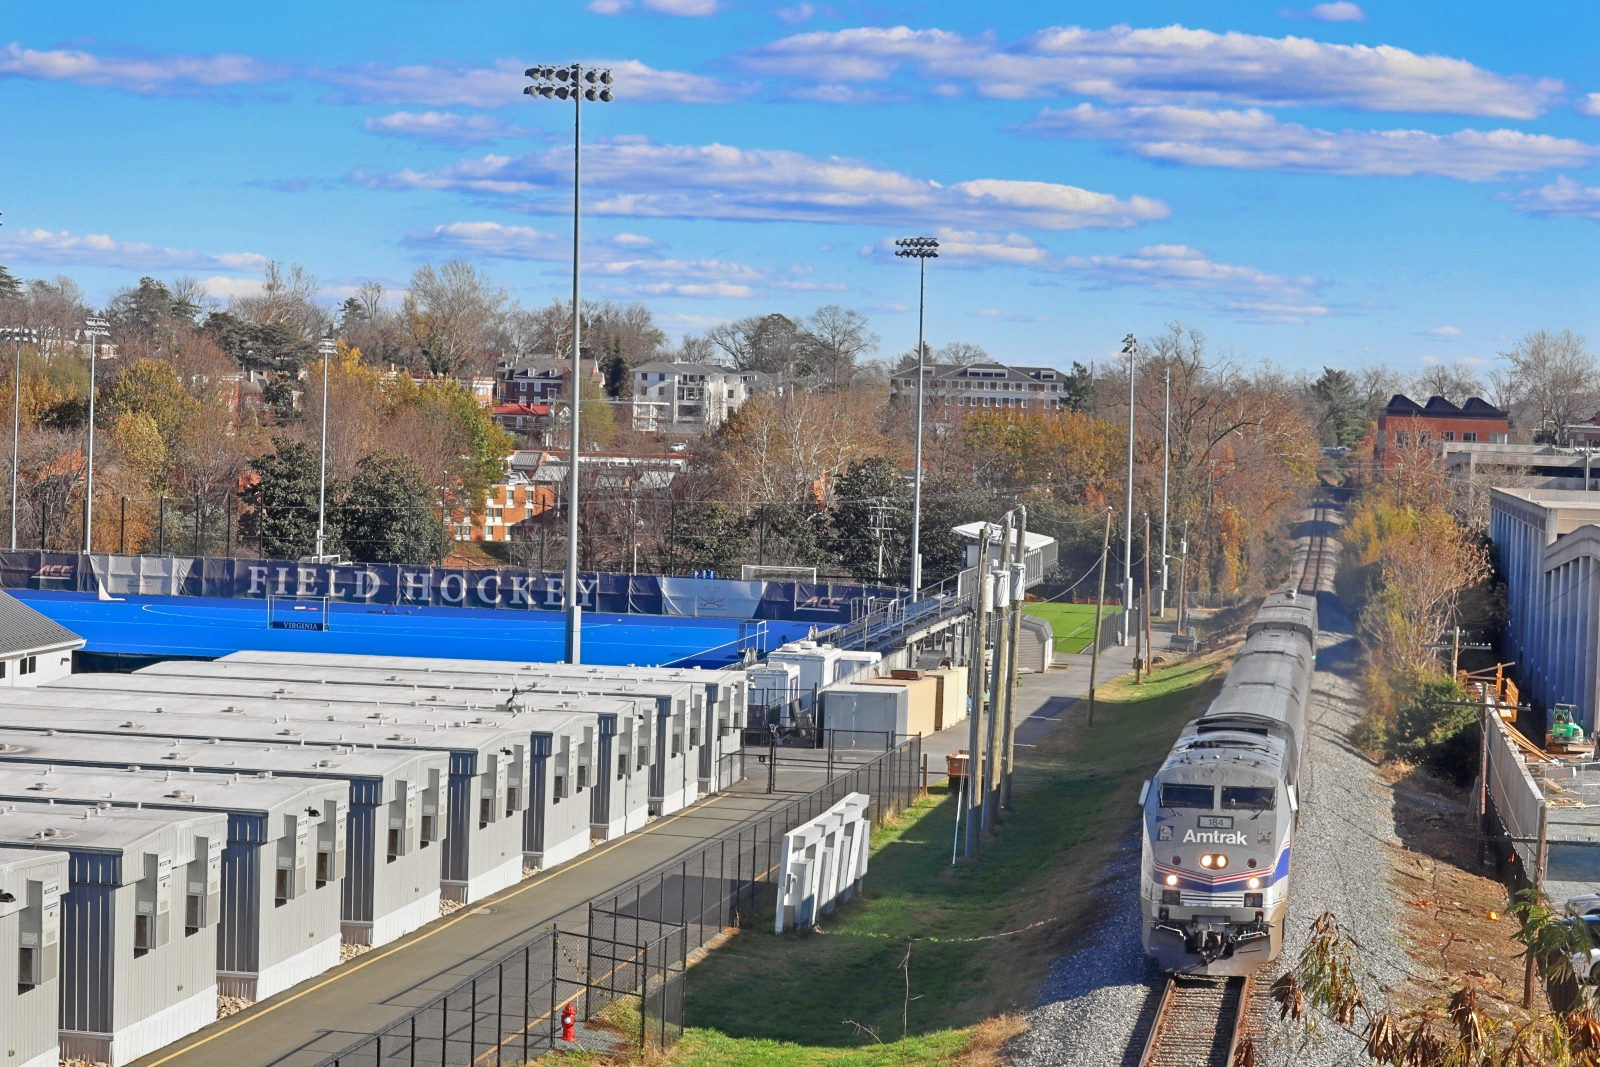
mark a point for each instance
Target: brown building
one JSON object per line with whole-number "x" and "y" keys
{"x": 1405, "y": 421}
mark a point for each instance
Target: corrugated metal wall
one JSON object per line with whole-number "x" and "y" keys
{"x": 239, "y": 937}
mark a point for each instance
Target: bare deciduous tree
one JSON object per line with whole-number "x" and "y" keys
{"x": 455, "y": 313}
{"x": 1554, "y": 373}
{"x": 1456, "y": 382}
{"x": 837, "y": 339}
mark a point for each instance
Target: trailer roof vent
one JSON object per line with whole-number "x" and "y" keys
{"x": 50, "y": 831}
{"x": 41, "y": 787}
{"x": 288, "y": 733}
{"x": 178, "y": 794}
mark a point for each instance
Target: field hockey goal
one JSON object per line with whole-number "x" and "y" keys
{"x": 297, "y": 612}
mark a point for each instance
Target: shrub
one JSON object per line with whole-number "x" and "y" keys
{"x": 1434, "y": 726}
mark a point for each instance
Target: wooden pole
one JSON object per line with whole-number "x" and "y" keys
{"x": 975, "y": 686}
{"x": 1099, "y": 609}
{"x": 1149, "y": 648}
{"x": 1538, "y": 887}
{"x": 997, "y": 687}
{"x": 1008, "y": 732}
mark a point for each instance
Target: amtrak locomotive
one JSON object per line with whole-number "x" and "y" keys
{"x": 1219, "y": 816}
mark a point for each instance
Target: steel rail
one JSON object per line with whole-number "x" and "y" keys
{"x": 1194, "y": 1013}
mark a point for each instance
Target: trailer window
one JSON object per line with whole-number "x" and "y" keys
{"x": 1187, "y": 796}
{"x": 1248, "y": 798}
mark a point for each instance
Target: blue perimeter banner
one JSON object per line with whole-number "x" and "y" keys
{"x": 358, "y": 583}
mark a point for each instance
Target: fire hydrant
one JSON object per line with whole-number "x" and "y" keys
{"x": 569, "y": 1023}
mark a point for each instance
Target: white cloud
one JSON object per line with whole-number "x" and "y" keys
{"x": 1562, "y": 198}
{"x": 100, "y": 250}
{"x": 1255, "y": 140}
{"x": 621, "y": 263}
{"x": 1588, "y": 104}
{"x": 797, "y": 14}
{"x": 1284, "y": 312}
{"x": 220, "y": 287}
{"x": 1010, "y": 316}
{"x": 1180, "y": 267}
{"x": 689, "y": 8}
{"x": 161, "y": 76}
{"x": 1171, "y": 64}
{"x": 1343, "y": 11}
{"x": 445, "y": 127}
{"x": 635, "y": 178}
{"x": 1444, "y": 331}
{"x": 501, "y": 85}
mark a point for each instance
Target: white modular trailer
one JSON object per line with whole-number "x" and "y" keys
{"x": 818, "y": 663}
{"x": 719, "y": 717}
{"x": 851, "y": 661}
{"x": 385, "y": 896}
{"x": 31, "y": 884}
{"x": 602, "y": 772}
{"x": 488, "y": 783}
{"x": 446, "y": 687}
{"x": 281, "y": 867}
{"x": 866, "y": 708}
{"x": 34, "y": 649}
{"x": 138, "y": 963}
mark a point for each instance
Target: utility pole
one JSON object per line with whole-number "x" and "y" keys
{"x": 94, "y": 327}
{"x": 1099, "y": 609}
{"x": 17, "y": 335}
{"x": 975, "y": 681}
{"x": 1183, "y": 578}
{"x": 991, "y": 768}
{"x": 1149, "y": 648}
{"x": 1130, "y": 348}
{"x": 1019, "y": 587}
{"x": 568, "y": 83}
{"x": 1166, "y": 467}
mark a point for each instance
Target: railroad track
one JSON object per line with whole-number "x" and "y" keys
{"x": 1316, "y": 551}
{"x": 1200, "y": 1022}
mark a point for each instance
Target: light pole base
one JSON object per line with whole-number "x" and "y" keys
{"x": 574, "y": 633}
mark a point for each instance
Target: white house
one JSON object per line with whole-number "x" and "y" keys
{"x": 686, "y": 398}
{"x": 34, "y": 650}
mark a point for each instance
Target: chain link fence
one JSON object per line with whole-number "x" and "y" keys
{"x": 624, "y": 976}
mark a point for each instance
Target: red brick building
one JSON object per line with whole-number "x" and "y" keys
{"x": 1404, "y": 420}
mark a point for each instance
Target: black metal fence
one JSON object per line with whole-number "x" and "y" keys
{"x": 624, "y": 977}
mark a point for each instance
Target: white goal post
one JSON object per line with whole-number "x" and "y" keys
{"x": 289, "y": 612}
{"x": 756, "y": 573}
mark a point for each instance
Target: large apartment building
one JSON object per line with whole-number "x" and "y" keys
{"x": 952, "y": 390}
{"x": 690, "y": 398}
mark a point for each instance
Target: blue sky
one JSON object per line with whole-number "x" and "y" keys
{"x": 1327, "y": 184}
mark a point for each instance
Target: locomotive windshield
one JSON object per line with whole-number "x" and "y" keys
{"x": 1187, "y": 796}
{"x": 1248, "y": 798}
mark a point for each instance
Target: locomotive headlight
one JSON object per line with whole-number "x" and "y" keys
{"x": 1255, "y": 883}
{"x": 1221, "y": 861}
{"x": 1205, "y": 861}
{"x": 1172, "y": 879}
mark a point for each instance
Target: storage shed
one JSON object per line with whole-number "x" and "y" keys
{"x": 922, "y": 699}
{"x": 384, "y": 896}
{"x": 34, "y": 649}
{"x": 1036, "y": 645}
{"x": 951, "y": 706}
{"x": 863, "y": 714}
{"x": 281, "y": 867}
{"x": 138, "y": 922}
{"x": 31, "y": 883}
{"x": 488, "y": 765}
{"x": 817, "y": 662}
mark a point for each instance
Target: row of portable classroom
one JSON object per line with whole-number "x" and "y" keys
{"x": 206, "y": 829}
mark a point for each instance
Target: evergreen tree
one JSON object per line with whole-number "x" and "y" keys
{"x": 712, "y": 536}
{"x": 1080, "y": 388}
{"x": 1344, "y": 417}
{"x": 614, "y": 365}
{"x": 390, "y": 514}
{"x": 873, "y": 513}
{"x": 10, "y": 285}
{"x": 282, "y": 503}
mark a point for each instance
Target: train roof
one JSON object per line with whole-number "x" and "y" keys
{"x": 1230, "y": 749}
{"x": 1263, "y": 684}
{"x": 1286, "y": 610}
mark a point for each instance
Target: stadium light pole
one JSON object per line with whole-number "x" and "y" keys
{"x": 920, "y": 249}
{"x": 93, "y": 327}
{"x": 1166, "y": 470}
{"x": 16, "y": 335}
{"x": 576, "y": 83}
{"x": 327, "y": 349}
